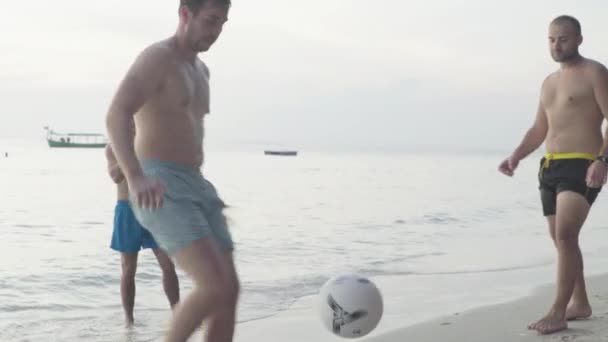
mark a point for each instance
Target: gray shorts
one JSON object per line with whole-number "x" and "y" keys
{"x": 191, "y": 209}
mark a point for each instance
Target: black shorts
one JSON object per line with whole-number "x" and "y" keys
{"x": 564, "y": 175}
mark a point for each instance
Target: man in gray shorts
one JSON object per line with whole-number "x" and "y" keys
{"x": 165, "y": 93}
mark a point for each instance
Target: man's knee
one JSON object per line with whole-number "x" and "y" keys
{"x": 222, "y": 291}
{"x": 169, "y": 272}
{"x": 168, "y": 268}
{"x": 566, "y": 237}
{"x": 166, "y": 265}
{"x": 233, "y": 290}
{"x": 129, "y": 266}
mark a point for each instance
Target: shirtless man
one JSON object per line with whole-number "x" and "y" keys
{"x": 573, "y": 104}
{"x": 128, "y": 237}
{"x": 166, "y": 93}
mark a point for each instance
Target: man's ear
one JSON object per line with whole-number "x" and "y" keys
{"x": 184, "y": 14}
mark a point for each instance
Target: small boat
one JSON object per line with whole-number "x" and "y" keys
{"x": 75, "y": 140}
{"x": 280, "y": 153}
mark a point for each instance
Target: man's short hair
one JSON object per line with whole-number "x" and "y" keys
{"x": 562, "y": 19}
{"x": 195, "y": 5}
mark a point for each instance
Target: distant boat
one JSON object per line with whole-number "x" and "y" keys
{"x": 75, "y": 140}
{"x": 280, "y": 153}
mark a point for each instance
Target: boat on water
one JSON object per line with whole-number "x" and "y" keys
{"x": 75, "y": 140}
{"x": 281, "y": 153}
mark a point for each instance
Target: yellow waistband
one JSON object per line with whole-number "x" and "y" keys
{"x": 568, "y": 155}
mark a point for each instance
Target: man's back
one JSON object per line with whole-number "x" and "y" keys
{"x": 574, "y": 118}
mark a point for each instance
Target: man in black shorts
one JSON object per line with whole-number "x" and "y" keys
{"x": 573, "y": 104}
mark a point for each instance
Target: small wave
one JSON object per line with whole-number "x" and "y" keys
{"x": 374, "y": 272}
{"x": 489, "y": 270}
{"x": 404, "y": 258}
{"x": 48, "y": 307}
{"x": 50, "y": 281}
{"x": 280, "y": 295}
{"x": 90, "y": 280}
{"x": 439, "y": 218}
{"x": 92, "y": 223}
{"x": 31, "y": 226}
{"x": 489, "y": 213}
{"x": 431, "y": 218}
{"x": 27, "y": 279}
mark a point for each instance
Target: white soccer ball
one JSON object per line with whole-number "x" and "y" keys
{"x": 350, "y": 305}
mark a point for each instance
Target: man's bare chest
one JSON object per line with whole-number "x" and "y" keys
{"x": 188, "y": 90}
{"x": 568, "y": 92}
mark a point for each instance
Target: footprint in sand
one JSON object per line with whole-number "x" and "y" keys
{"x": 560, "y": 338}
{"x": 569, "y": 337}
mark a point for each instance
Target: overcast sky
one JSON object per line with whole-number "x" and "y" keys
{"x": 326, "y": 73}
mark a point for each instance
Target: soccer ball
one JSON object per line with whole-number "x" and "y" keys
{"x": 350, "y": 305}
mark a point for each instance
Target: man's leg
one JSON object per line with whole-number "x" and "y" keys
{"x": 127, "y": 284}
{"x": 170, "y": 281}
{"x": 215, "y": 290}
{"x": 572, "y": 210}
{"x": 579, "y": 307}
{"x": 126, "y": 240}
{"x": 223, "y": 320}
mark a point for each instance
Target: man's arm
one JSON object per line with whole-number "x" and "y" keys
{"x": 141, "y": 81}
{"x": 113, "y": 169}
{"x": 600, "y": 91}
{"x": 110, "y": 158}
{"x": 535, "y": 135}
{"x": 207, "y": 76}
{"x": 205, "y": 70}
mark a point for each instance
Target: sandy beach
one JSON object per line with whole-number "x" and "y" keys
{"x": 507, "y": 322}
{"x": 504, "y": 322}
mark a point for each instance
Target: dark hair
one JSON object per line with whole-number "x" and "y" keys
{"x": 568, "y": 19}
{"x": 195, "y": 5}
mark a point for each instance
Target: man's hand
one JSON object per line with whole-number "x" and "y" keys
{"x": 116, "y": 174}
{"x": 147, "y": 192}
{"x": 596, "y": 174}
{"x": 113, "y": 169}
{"x": 508, "y": 166}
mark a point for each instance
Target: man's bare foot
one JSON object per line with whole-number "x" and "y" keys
{"x": 574, "y": 312}
{"x": 129, "y": 322}
{"x": 549, "y": 324}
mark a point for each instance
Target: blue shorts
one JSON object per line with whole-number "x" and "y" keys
{"x": 191, "y": 209}
{"x": 128, "y": 235}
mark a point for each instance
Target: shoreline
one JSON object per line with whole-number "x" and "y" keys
{"x": 508, "y": 321}
{"x": 448, "y": 313}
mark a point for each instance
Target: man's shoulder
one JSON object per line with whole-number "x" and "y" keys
{"x": 590, "y": 62}
{"x": 204, "y": 67}
{"x": 595, "y": 71}
{"x": 550, "y": 78}
{"x": 595, "y": 66}
{"x": 157, "y": 54}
